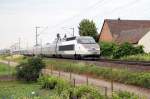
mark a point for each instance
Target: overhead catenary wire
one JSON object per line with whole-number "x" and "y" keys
{"x": 93, "y": 7}
{"x": 88, "y": 9}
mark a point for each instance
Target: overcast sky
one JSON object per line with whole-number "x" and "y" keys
{"x": 18, "y": 18}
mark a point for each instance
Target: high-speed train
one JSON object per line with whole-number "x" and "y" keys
{"x": 77, "y": 47}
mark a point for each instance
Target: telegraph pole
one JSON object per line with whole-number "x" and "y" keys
{"x": 36, "y": 31}
{"x": 19, "y": 45}
{"x": 72, "y": 31}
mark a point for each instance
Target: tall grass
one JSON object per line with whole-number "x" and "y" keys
{"x": 139, "y": 57}
{"x": 6, "y": 69}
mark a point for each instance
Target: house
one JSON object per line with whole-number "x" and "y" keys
{"x": 145, "y": 42}
{"x": 120, "y": 31}
{"x": 136, "y": 32}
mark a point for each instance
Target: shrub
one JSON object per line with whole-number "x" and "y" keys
{"x": 87, "y": 92}
{"x": 112, "y": 50}
{"x": 49, "y": 82}
{"x": 124, "y": 95}
{"x": 30, "y": 70}
{"x": 107, "y": 48}
{"x": 126, "y": 49}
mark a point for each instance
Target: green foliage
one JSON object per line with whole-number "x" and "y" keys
{"x": 126, "y": 49}
{"x": 119, "y": 75}
{"x": 112, "y": 50}
{"x": 124, "y": 95}
{"x": 6, "y": 69}
{"x": 88, "y": 28}
{"x": 87, "y": 92}
{"x": 107, "y": 49}
{"x": 21, "y": 90}
{"x": 30, "y": 70}
{"x": 49, "y": 82}
{"x": 66, "y": 90}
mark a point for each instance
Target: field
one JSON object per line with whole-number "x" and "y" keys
{"x": 14, "y": 58}
{"x": 21, "y": 90}
{"x": 6, "y": 69}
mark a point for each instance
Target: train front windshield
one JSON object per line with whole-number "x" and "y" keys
{"x": 86, "y": 40}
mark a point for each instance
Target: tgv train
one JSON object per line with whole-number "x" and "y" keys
{"x": 77, "y": 47}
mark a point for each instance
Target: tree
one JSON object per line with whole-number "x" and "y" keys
{"x": 30, "y": 70}
{"x": 88, "y": 28}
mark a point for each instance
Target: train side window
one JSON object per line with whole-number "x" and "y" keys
{"x": 66, "y": 47}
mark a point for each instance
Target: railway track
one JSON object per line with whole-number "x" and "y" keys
{"x": 131, "y": 65}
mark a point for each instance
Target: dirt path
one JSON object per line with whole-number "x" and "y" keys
{"x": 81, "y": 79}
{"x": 13, "y": 64}
{"x": 103, "y": 84}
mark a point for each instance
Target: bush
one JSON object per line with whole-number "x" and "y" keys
{"x": 107, "y": 49}
{"x": 126, "y": 49}
{"x": 124, "y": 95}
{"x": 112, "y": 50}
{"x": 87, "y": 92}
{"x": 30, "y": 70}
{"x": 49, "y": 82}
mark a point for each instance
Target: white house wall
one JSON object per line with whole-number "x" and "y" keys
{"x": 145, "y": 42}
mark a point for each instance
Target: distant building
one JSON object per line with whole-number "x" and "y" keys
{"x": 120, "y": 31}
{"x": 4, "y": 51}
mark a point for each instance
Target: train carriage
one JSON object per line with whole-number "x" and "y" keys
{"x": 77, "y": 47}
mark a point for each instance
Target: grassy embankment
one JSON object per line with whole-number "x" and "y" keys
{"x": 21, "y": 90}
{"x": 6, "y": 70}
{"x": 14, "y": 58}
{"x": 54, "y": 88}
{"x": 119, "y": 75}
{"x": 139, "y": 57}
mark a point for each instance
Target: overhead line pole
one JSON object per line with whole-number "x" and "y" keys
{"x": 72, "y": 31}
{"x": 36, "y": 31}
{"x": 19, "y": 45}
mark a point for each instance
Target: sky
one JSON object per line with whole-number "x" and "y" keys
{"x": 18, "y": 18}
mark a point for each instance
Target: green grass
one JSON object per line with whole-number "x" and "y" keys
{"x": 139, "y": 57}
{"x": 20, "y": 90}
{"x": 119, "y": 75}
{"x": 14, "y": 58}
{"x": 6, "y": 69}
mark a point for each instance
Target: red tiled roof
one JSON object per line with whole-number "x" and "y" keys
{"x": 128, "y": 30}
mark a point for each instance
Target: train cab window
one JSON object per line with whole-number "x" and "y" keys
{"x": 66, "y": 47}
{"x": 71, "y": 38}
{"x": 86, "y": 40}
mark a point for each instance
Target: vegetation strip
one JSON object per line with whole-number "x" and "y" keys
{"x": 119, "y": 75}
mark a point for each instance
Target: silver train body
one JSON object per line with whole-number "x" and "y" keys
{"x": 74, "y": 47}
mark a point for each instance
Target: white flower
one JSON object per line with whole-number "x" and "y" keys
{"x": 33, "y": 93}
